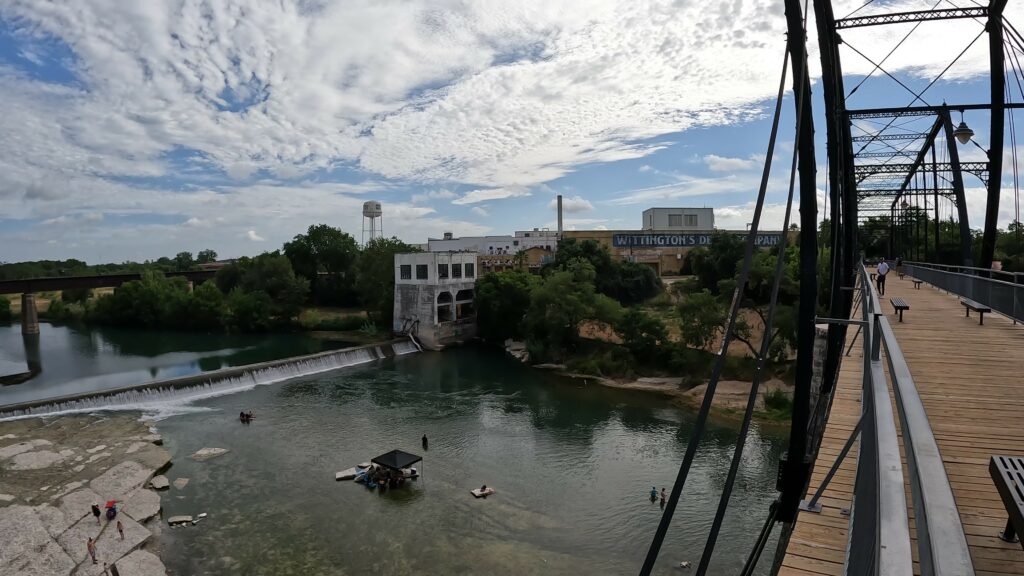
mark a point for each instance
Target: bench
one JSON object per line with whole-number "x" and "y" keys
{"x": 981, "y": 309}
{"x": 899, "y": 305}
{"x": 917, "y": 283}
{"x": 1008, "y": 475}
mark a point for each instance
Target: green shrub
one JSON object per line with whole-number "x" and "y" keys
{"x": 75, "y": 295}
{"x": 778, "y": 405}
{"x": 5, "y": 309}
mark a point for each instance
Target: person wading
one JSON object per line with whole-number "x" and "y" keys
{"x": 91, "y": 547}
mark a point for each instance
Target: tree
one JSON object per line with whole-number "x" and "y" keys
{"x": 558, "y": 305}
{"x": 206, "y": 256}
{"x": 627, "y": 282}
{"x": 718, "y": 261}
{"x": 272, "y": 274}
{"x": 183, "y": 261}
{"x": 701, "y": 318}
{"x": 327, "y": 250}
{"x": 375, "y": 277}
{"x": 71, "y": 295}
{"x": 502, "y": 299}
{"x": 206, "y": 308}
{"x": 641, "y": 333}
{"x": 249, "y": 311}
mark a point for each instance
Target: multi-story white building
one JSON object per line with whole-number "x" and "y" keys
{"x": 702, "y": 219}
{"x": 491, "y": 245}
{"x": 434, "y": 296}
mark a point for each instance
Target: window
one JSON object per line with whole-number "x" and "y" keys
{"x": 406, "y": 271}
{"x": 691, "y": 220}
{"x": 421, "y": 271}
{"x": 442, "y": 270}
{"x": 675, "y": 220}
{"x": 456, "y": 270}
{"x": 469, "y": 270}
{"x": 515, "y": 242}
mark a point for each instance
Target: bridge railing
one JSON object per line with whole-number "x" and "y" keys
{"x": 879, "y": 536}
{"x": 1003, "y": 292}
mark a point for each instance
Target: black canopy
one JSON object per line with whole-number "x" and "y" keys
{"x": 396, "y": 459}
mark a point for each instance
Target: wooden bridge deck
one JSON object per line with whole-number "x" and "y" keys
{"x": 971, "y": 381}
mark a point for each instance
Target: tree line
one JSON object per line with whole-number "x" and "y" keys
{"x": 637, "y": 326}
{"x": 324, "y": 267}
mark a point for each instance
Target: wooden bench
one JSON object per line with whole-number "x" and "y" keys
{"x": 981, "y": 309}
{"x": 917, "y": 283}
{"x": 1008, "y": 475}
{"x": 899, "y": 305}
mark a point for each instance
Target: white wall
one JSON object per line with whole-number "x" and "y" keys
{"x": 662, "y": 219}
{"x": 432, "y": 260}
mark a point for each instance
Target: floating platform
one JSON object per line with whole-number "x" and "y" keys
{"x": 347, "y": 474}
{"x": 478, "y": 493}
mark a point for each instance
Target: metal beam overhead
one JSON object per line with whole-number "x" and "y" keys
{"x": 880, "y": 137}
{"x": 918, "y": 16}
{"x": 921, "y": 110}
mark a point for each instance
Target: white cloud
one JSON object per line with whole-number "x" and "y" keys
{"x": 442, "y": 194}
{"x": 572, "y": 204}
{"x": 645, "y": 168}
{"x": 253, "y": 236}
{"x": 485, "y": 194}
{"x": 717, "y": 163}
{"x": 479, "y": 211}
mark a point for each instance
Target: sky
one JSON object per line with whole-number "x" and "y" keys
{"x": 132, "y": 130}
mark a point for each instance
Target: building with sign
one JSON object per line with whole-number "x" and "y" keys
{"x": 679, "y": 219}
{"x": 665, "y": 251}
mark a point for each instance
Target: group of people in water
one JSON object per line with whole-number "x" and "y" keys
{"x": 654, "y": 495}
{"x": 245, "y": 417}
{"x": 384, "y": 478}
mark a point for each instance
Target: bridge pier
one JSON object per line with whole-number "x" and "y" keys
{"x": 29, "y": 316}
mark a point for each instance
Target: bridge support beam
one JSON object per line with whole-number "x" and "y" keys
{"x": 29, "y": 316}
{"x": 998, "y": 113}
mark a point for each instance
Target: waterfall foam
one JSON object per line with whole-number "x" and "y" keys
{"x": 162, "y": 399}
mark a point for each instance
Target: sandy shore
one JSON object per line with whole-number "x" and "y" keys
{"x": 53, "y": 470}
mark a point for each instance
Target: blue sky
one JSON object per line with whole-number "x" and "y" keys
{"x": 133, "y": 130}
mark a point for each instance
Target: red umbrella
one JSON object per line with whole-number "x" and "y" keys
{"x": 111, "y": 503}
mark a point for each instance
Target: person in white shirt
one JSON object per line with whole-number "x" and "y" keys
{"x": 883, "y": 269}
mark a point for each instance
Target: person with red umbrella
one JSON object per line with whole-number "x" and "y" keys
{"x": 111, "y": 509}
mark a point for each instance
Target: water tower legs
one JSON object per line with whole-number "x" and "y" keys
{"x": 29, "y": 316}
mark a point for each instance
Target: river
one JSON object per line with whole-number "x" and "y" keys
{"x": 572, "y": 465}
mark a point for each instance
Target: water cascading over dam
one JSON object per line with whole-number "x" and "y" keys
{"x": 168, "y": 396}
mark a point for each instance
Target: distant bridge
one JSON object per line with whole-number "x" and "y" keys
{"x": 28, "y": 287}
{"x": 53, "y": 283}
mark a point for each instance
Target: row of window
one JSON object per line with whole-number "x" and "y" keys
{"x": 677, "y": 220}
{"x": 405, "y": 271}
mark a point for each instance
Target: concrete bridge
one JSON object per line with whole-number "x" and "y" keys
{"x": 28, "y": 287}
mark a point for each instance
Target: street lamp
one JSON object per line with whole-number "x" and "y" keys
{"x": 963, "y": 133}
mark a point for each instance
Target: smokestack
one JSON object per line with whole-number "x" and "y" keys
{"x": 559, "y": 213}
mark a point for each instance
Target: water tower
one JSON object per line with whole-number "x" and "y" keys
{"x": 373, "y": 220}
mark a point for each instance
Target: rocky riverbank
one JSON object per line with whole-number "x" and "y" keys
{"x": 53, "y": 470}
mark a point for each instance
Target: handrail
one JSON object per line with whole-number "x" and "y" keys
{"x": 941, "y": 543}
{"x": 879, "y": 535}
{"x": 1003, "y": 296}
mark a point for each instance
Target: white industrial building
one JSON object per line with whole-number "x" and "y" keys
{"x": 670, "y": 219}
{"x": 434, "y": 297}
{"x": 492, "y": 245}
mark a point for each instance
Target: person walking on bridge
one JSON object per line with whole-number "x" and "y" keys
{"x": 882, "y": 271}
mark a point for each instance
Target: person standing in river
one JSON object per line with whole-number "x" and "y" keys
{"x": 424, "y": 441}
{"x": 91, "y": 547}
{"x": 96, "y": 513}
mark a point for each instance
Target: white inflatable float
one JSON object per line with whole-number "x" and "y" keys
{"x": 478, "y": 493}
{"x": 346, "y": 474}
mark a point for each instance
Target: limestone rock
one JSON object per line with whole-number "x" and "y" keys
{"x": 96, "y": 457}
{"x": 184, "y": 519}
{"x": 77, "y": 505}
{"x": 159, "y": 483}
{"x": 153, "y": 457}
{"x": 15, "y": 449}
{"x": 6, "y": 498}
{"x": 52, "y": 519}
{"x": 35, "y": 460}
{"x": 96, "y": 449}
{"x": 135, "y": 447}
{"x": 180, "y": 483}
{"x": 121, "y": 480}
{"x": 27, "y": 547}
{"x": 207, "y": 453}
{"x": 109, "y": 546}
{"x": 141, "y": 563}
{"x": 153, "y": 438}
{"x": 142, "y": 505}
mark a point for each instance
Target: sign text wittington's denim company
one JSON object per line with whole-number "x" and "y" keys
{"x": 660, "y": 240}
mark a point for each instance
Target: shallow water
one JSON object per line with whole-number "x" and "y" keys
{"x": 75, "y": 360}
{"x": 572, "y": 465}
